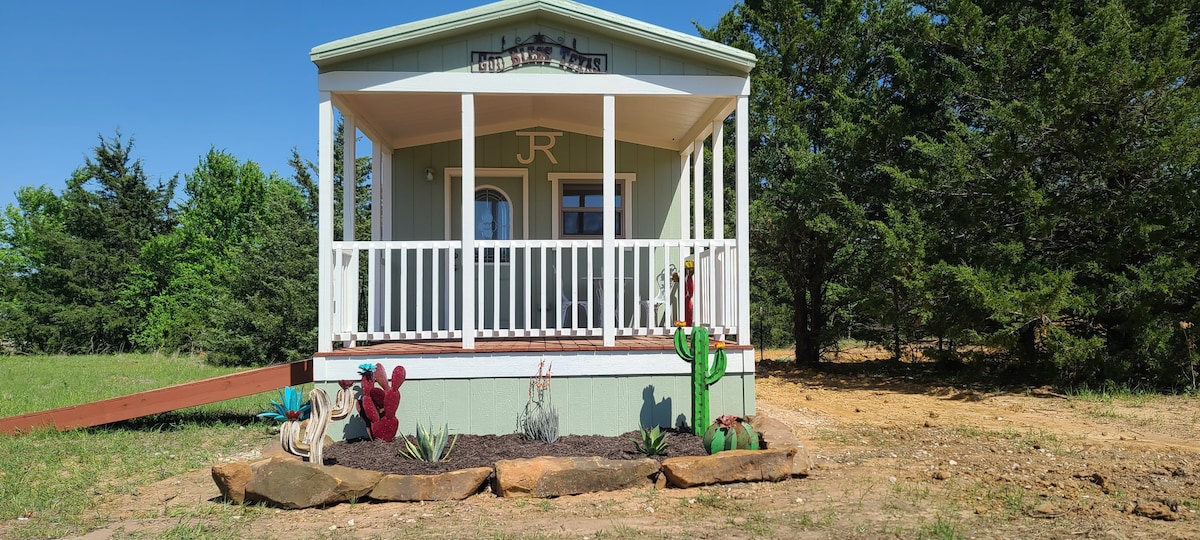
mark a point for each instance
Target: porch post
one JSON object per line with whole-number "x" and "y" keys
{"x": 698, "y": 189}
{"x": 349, "y": 204}
{"x": 349, "y": 176}
{"x": 468, "y": 221}
{"x": 325, "y": 223}
{"x": 685, "y": 179}
{"x": 385, "y": 191}
{"x": 375, "y": 299}
{"x": 385, "y": 221}
{"x": 718, "y": 178}
{"x": 720, "y": 255}
{"x": 607, "y": 312}
{"x": 743, "y": 216}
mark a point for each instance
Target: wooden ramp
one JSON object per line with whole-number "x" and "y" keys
{"x": 163, "y": 400}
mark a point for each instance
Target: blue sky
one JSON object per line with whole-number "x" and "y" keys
{"x": 181, "y": 77}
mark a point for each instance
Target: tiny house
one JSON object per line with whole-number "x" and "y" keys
{"x": 549, "y": 190}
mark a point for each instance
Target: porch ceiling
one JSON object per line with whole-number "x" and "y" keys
{"x": 402, "y": 120}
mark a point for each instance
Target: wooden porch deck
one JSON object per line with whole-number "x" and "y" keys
{"x": 512, "y": 345}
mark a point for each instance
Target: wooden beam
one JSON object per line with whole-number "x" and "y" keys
{"x": 167, "y": 399}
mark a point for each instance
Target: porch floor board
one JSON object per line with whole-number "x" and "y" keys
{"x": 511, "y": 345}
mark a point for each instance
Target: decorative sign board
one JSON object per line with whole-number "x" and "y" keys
{"x": 538, "y": 50}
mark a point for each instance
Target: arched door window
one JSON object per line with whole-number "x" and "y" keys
{"x": 493, "y": 221}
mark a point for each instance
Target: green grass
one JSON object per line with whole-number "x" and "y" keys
{"x": 36, "y": 383}
{"x": 1109, "y": 393}
{"x": 59, "y": 478}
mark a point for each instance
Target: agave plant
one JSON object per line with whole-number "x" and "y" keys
{"x": 292, "y": 408}
{"x": 653, "y": 443}
{"x": 429, "y": 446}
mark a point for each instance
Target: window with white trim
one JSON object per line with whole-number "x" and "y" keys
{"x": 493, "y": 221}
{"x": 579, "y": 204}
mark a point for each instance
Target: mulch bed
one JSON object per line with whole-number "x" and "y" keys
{"x": 485, "y": 450}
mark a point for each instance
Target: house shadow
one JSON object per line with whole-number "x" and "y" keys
{"x": 655, "y": 412}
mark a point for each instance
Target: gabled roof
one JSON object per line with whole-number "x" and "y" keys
{"x": 596, "y": 20}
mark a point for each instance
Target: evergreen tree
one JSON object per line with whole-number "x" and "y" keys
{"x": 74, "y": 252}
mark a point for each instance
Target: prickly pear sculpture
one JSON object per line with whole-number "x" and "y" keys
{"x": 702, "y": 376}
{"x": 730, "y": 433}
{"x": 378, "y": 406}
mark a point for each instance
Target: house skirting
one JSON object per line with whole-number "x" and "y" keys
{"x": 601, "y": 392}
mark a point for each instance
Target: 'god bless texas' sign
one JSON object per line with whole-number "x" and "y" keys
{"x": 537, "y": 51}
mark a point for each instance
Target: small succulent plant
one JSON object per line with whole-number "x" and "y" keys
{"x": 290, "y": 407}
{"x": 429, "y": 446}
{"x": 653, "y": 443}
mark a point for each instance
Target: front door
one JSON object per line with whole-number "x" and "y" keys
{"x": 499, "y": 215}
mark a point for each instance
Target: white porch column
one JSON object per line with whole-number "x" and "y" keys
{"x": 468, "y": 221}
{"x": 720, "y": 255}
{"x": 718, "y": 178}
{"x": 385, "y": 190}
{"x": 698, "y": 189}
{"x": 743, "y": 217}
{"x": 607, "y": 311}
{"x": 325, "y": 223}
{"x": 349, "y": 176}
{"x": 385, "y": 223}
{"x": 375, "y": 299}
{"x": 349, "y": 204}
{"x": 685, "y": 179}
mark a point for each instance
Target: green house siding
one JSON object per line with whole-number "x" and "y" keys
{"x": 586, "y": 405}
{"x": 420, "y": 206}
{"x": 454, "y": 54}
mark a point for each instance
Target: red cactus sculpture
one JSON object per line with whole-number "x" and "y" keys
{"x": 378, "y": 406}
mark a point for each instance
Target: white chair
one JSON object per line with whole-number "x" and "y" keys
{"x": 567, "y": 303}
{"x": 650, "y": 306}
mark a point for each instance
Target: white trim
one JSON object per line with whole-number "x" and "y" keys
{"x": 486, "y": 365}
{"x": 685, "y": 207}
{"x": 743, "y": 218}
{"x": 363, "y": 125}
{"x": 386, "y": 179}
{"x": 325, "y": 304}
{"x": 349, "y": 176}
{"x": 718, "y": 178}
{"x": 701, "y": 131}
{"x": 468, "y": 216}
{"x": 698, "y": 190}
{"x": 557, "y": 179}
{"x": 609, "y": 212}
{"x": 450, "y": 173}
{"x": 374, "y": 261}
{"x": 526, "y": 83}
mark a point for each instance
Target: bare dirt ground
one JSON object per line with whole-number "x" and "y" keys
{"x": 897, "y": 454}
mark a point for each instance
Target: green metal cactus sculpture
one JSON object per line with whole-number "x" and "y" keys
{"x": 702, "y": 376}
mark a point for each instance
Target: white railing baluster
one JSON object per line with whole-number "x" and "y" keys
{"x": 387, "y": 290}
{"x": 434, "y": 305}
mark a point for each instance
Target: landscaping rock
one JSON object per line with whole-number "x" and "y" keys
{"x": 729, "y": 466}
{"x": 231, "y": 479}
{"x": 1154, "y": 510}
{"x": 553, "y": 477}
{"x": 451, "y": 486}
{"x": 777, "y": 435}
{"x": 291, "y": 484}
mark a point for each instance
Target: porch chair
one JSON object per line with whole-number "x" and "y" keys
{"x": 650, "y": 306}
{"x": 567, "y": 303}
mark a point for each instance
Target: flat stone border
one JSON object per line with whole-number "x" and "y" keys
{"x": 286, "y": 482}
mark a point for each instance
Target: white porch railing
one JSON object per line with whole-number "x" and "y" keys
{"x": 528, "y": 288}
